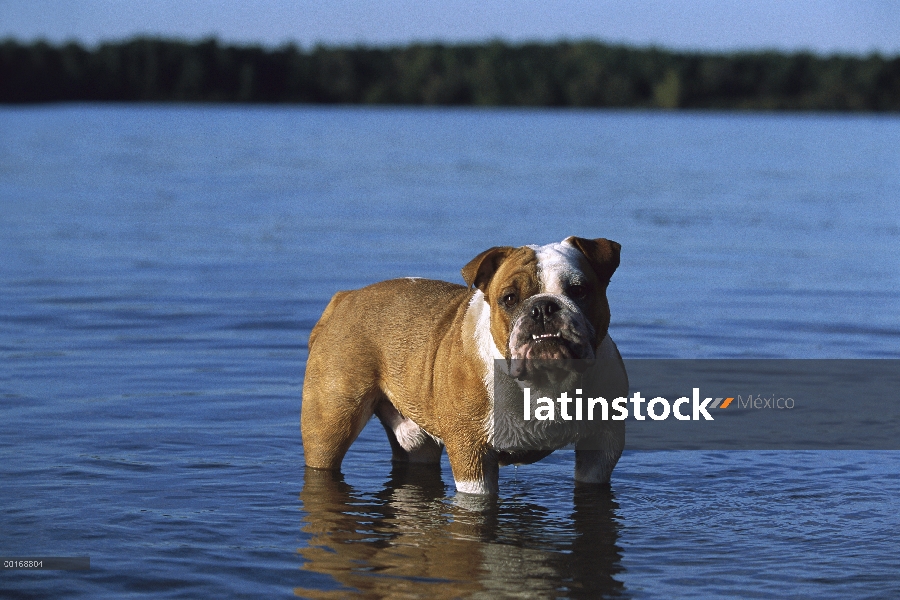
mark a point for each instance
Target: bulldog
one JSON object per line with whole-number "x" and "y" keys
{"x": 445, "y": 365}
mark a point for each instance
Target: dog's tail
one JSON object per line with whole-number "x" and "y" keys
{"x": 335, "y": 300}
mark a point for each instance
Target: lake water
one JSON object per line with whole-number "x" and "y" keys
{"x": 161, "y": 268}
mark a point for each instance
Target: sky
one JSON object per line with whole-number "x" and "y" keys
{"x": 822, "y": 26}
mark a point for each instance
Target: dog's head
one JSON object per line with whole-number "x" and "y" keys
{"x": 548, "y": 306}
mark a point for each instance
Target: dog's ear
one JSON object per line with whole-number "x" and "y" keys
{"x": 603, "y": 254}
{"x": 481, "y": 269}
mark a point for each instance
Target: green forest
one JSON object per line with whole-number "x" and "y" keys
{"x": 563, "y": 74}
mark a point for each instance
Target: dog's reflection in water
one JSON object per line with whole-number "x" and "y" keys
{"x": 410, "y": 541}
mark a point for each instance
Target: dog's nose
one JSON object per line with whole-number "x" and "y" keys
{"x": 543, "y": 309}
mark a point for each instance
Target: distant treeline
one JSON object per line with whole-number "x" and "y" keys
{"x": 578, "y": 74}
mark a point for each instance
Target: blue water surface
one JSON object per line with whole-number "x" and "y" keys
{"x": 161, "y": 268}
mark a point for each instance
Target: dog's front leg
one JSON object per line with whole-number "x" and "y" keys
{"x": 475, "y": 468}
{"x": 597, "y": 455}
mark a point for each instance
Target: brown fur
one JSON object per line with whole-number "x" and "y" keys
{"x": 369, "y": 334}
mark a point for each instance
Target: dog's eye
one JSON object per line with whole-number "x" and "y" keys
{"x": 578, "y": 292}
{"x": 509, "y": 300}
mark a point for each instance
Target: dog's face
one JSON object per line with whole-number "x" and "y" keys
{"x": 547, "y": 303}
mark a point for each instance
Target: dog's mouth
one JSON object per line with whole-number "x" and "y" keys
{"x": 545, "y": 353}
{"x": 546, "y": 336}
{"x": 548, "y": 346}
{"x": 550, "y": 338}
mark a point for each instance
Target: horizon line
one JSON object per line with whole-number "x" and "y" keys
{"x": 479, "y": 42}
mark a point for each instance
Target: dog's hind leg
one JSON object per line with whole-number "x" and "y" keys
{"x": 332, "y": 417}
{"x": 409, "y": 442}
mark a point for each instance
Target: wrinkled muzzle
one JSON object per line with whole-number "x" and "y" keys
{"x": 549, "y": 334}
